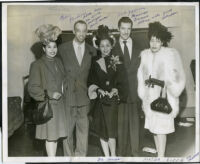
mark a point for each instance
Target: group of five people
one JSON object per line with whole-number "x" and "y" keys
{"x": 74, "y": 74}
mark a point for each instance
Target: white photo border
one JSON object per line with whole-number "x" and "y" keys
{"x": 93, "y": 159}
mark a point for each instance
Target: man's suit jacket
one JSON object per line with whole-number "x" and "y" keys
{"x": 76, "y": 90}
{"x": 131, "y": 69}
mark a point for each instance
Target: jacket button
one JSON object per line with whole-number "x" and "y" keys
{"x": 107, "y": 83}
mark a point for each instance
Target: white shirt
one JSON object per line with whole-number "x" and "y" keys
{"x": 129, "y": 45}
{"x": 82, "y": 45}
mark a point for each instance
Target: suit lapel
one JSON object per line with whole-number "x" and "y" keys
{"x": 126, "y": 62}
{"x": 119, "y": 49}
{"x": 72, "y": 55}
{"x": 135, "y": 56}
{"x": 132, "y": 55}
{"x": 86, "y": 57}
{"x": 133, "y": 62}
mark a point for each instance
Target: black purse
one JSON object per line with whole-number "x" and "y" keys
{"x": 109, "y": 101}
{"x": 161, "y": 104}
{"x": 43, "y": 111}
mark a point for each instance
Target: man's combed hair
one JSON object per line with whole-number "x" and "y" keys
{"x": 81, "y": 22}
{"x": 159, "y": 31}
{"x": 125, "y": 20}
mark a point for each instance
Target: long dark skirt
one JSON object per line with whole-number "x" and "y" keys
{"x": 105, "y": 117}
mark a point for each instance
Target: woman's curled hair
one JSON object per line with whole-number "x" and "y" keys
{"x": 103, "y": 33}
{"x": 48, "y": 33}
{"x": 159, "y": 31}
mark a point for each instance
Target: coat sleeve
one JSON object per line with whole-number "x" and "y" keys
{"x": 35, "y": 87}
{"x": 92, "y": 81}
{"x": 175, "y": 76}
{"x": 175, "y": 80}
{"x": 141, "y": 82}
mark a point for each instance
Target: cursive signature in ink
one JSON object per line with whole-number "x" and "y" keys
{"x": 100, "y": 159}
{"x": 168, "y": 13}
{"x": 108, "y": 159}
{"x": 190, "y": 158}
{"x": 151, "y": 159}
{"x": 155, "y": 16}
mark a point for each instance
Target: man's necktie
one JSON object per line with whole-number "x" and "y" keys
{"x": 126, "y": 52}
{"x": 79, "y": 55}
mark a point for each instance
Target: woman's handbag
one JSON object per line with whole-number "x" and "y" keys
{"x": 43, "y": 111}
{"x": 109, "y": 101}
{"x": 161, "y": 104}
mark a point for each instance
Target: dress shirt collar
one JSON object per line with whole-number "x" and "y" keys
{"x": 129, "y": 45}
{"x": 129, "y": 41}
{"x": 76, "y": 44}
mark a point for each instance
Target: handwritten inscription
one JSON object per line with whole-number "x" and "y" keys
{"x": 151, "y": 159}
{"x": 190, "y": 158}
{"x": 142, "y": 15}
{"x": 174, "y": 160}
{"x": 63, "y": 17}
{"x": 155, "y": 16}
{"x": 92, "y": 17}
{"x": 169, "y": 15}
{"x": 157, "y": 159}
{"x": 130, "y": 12}
{"x": 96, "y": 16}
{"x": 109, "y": 159}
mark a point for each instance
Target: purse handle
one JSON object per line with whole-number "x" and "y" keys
{"x": 161, "y": 92}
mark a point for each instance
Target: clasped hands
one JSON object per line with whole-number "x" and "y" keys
{"x": 102, "y": 93}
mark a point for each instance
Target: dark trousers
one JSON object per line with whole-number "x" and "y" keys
{"x": 128, "y": 130}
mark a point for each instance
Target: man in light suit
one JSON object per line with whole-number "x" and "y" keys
{"x": 76, "y": 56}
{"x": 128, "y": 117}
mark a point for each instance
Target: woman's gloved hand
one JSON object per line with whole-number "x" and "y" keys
{"x": 152, "y": 81}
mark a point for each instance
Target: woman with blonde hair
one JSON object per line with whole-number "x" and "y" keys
{"x": 160, "y": 67}
{"x": 47, "y": 73}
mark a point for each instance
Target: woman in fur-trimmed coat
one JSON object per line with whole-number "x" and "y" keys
{"x": 163, "y": 64}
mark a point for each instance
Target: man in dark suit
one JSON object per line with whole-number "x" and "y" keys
{"x": 76, "y": 56}
{"x": 128, "y": 117}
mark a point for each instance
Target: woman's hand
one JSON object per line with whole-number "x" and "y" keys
{"x": 101, "y": 92}
{"x": 56, "y": 95}
{"x": 114, "y": 92}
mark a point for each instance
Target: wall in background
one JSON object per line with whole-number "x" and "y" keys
{"x": 22, "y": 20}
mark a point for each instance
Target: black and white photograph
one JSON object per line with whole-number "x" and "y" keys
{"x": 100, "y": 82}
